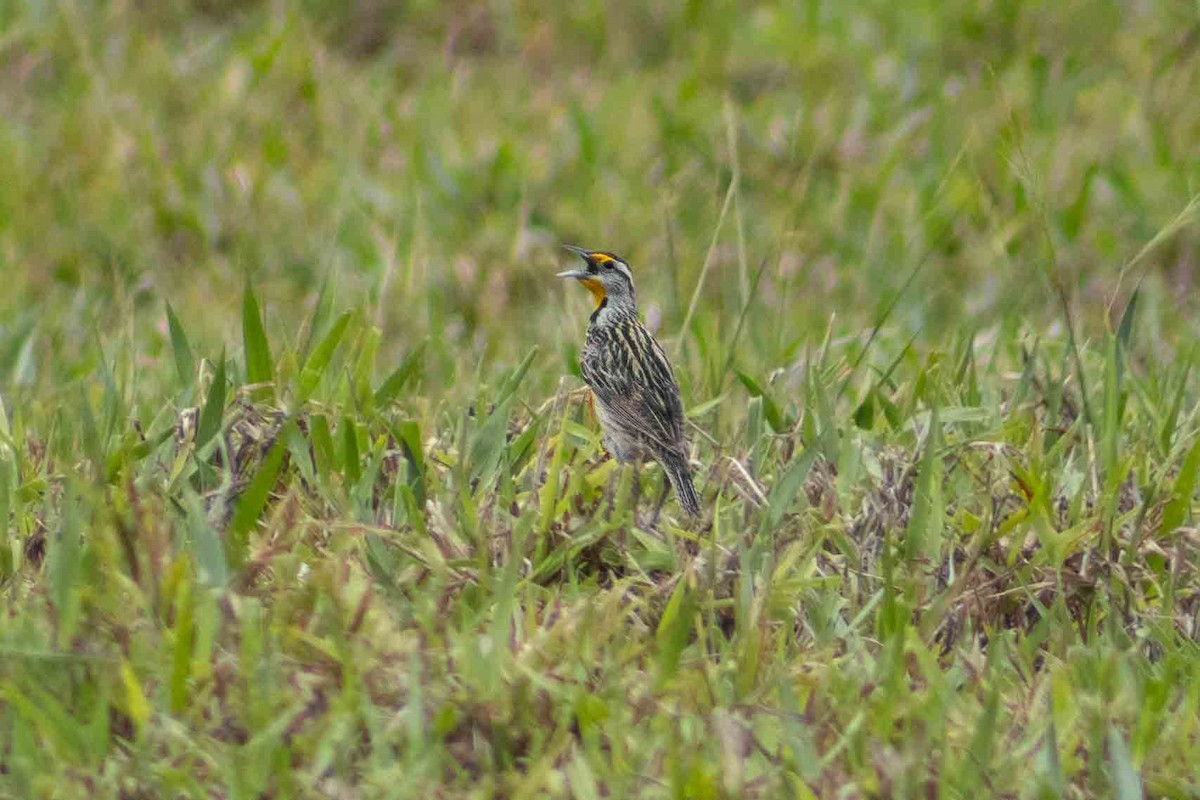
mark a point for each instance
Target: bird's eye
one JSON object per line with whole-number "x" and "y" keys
{"x": 608, "y": 264}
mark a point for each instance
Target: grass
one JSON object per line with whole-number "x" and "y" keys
{"x": 301, "y": 501}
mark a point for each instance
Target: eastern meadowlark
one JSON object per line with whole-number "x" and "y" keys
{"x": 636, "y": 396}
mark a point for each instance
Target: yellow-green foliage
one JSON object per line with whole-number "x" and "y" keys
{"x": 299, "y": 498}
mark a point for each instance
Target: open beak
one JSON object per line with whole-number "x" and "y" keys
{"x": 577, "y": 274}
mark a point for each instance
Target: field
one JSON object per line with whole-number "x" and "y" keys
{"x": 302, "y": 499}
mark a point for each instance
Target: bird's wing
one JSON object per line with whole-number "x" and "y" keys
{"x": 631, "y": 375}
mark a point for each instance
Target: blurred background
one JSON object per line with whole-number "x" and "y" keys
{"x": 423, "y": 161}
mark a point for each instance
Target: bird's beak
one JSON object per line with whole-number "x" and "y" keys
{"x": 577, "y": 274}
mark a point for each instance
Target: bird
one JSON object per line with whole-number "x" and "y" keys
{"x": 635, "y": 393}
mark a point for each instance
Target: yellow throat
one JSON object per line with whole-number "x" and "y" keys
{"x": 596, "y": 288}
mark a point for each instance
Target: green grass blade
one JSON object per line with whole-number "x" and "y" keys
{"x": 65, "y": 559}
{"x": 1127, "y": 784}
{"x": 214, "y": 407}
{"x": 324, "y": 454}
{"x": 1111, "y": 430}
{"x": 181, "y": 661}
{"x": 487, "y": 445}
{"x": 1179, "y": 506}
{"x": 771, "y": 411}
{"x": 351, "y": 462}
{"x": 1169, "y": 423}
{"x": 977, "y": 766}
{"x": 6, "y": 481}
{"x": 258, "y": 351}
{"x": 90, "y": 436}
{"x": 674, "y": 631}
{"x": 185, "y": 362}
{"x": 923, "y": 537}
{"x": 208, "y": 552}
{"x": 364, "y": 368}
{"x": 38, "y": 707}
{"x": 1125, "y": 329}
{"x": 318, "y": 361}
{"x": 789, "y": 485}
{"x": 315, "y": 322}
{"x": 414, "y": 454}
{"x": 401, "y": 375}
{"x": 254, "y": 499}
{"x": 513, "y": 381}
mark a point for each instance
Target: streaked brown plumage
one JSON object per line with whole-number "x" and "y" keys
{"x": 637, "y": 398}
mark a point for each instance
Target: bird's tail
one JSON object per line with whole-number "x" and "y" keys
{"x": 680, "y": 475}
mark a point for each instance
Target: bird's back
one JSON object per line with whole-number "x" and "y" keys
{"x": 634, "y": 385}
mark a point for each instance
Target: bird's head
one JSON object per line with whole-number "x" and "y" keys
{"x": 605, "y": 275}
